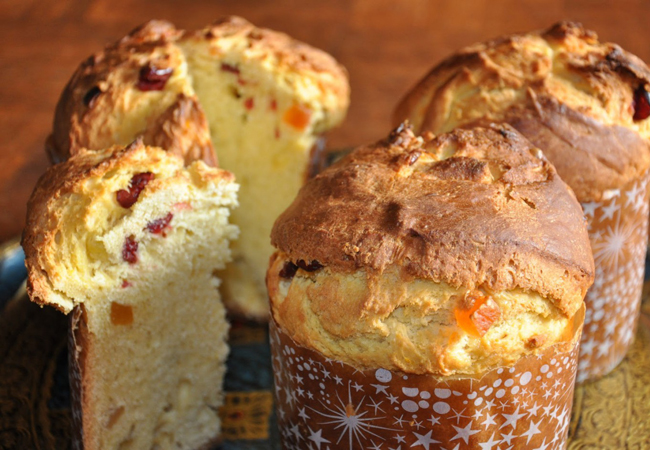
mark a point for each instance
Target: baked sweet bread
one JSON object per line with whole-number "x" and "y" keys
{"x": 128, "y": 240}
{"x": 586, "y": 105}
{"x": 421, "y": 266}
{"x": 256, "y": 96}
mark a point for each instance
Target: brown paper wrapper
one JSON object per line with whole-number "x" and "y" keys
{"x": 618, "y": 230}
{"x": 326, "y": 404}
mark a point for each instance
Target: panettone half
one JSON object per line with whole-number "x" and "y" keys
{"x": 128, "y": 240}
{"x": 255, "y": 99}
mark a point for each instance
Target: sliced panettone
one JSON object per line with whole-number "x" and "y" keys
{"x": 260, "y": 98}
{"x": 129, "y": 240}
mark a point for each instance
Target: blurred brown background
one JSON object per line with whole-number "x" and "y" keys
{"x": 385, "y": 45}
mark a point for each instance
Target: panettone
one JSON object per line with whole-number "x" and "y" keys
{"x": 583, "y": 102}
{"x": 586, "y": 105}
{"x": 381, "y": 256}
{"x": 259, "y": 98}
{"x": 128, "y": 240}
{"x": 426, "y": 290}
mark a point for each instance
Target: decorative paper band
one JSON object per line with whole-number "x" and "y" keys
{"x": 618, "y": 229}
{"x": 325, "y": 404}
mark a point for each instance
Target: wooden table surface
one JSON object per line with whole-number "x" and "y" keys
{"x": 385, "y": 45}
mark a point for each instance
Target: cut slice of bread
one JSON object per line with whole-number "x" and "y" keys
{"x": 259, "y": 98}
{"x": 129, "y": 240}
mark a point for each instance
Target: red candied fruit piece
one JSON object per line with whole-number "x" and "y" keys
{"x": 288, "y": 270}
{"x": 153, "y": 79}
{"x": 159, "y": 226}
{"x": 126, "y": 284}
{"x": 274, "y": 105}
{"x": 130, "y": 250}
{"x": 641, "y": 104}
{"x": 225, "y": 67}
{"x": 127, "y": 197}
{"x": 249, "y": 103}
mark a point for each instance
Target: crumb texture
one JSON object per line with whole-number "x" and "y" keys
{"x": 254, "y": 100}
{"x": 129, "y": 239}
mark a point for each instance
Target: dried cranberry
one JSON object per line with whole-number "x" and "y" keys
{"x": 414, "y": 157}
{"x": 311, "y": 267}
{"x": 153, "y": 79}
{"x": 249, "y": 103}
{"x": 126, "y": 198}
{"x": 158, "y": 226}
{"x": 289, "y": 270}
{"x": 641, "y": 104}
{"x": 126, "y": 284}
{"x": 91, "y": 95}
{"x": 274, "y": 105}
{"x": 130, "y": 250}
{"x": 230, "y": 68}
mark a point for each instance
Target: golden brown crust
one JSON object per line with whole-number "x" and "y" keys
{"x": 562, "y": 88}
{"x": 184, "y": 131}
{"x": 92, "y": 111}
{"x": 291, "y": 55}
{"x": 61, "y": 180}
{"x": 472, "y": 208}
{"x": 96, "y": 88}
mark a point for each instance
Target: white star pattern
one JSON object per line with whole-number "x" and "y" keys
{"x": 507, "y": 438}
{"x": 618, "y": 234}
{"x": 464, "y": 433}
{"x": 317, "y": 437}
{"x": 424, "y": 440}
{"x": 533, "y": 430}
{"x": 348, "y": 419}
{"x": 608, "y": 211}
{"x": 400, "y": 421}
{"x": 543, "y": 445}
{"x": 589, "y": 208}
{"x": 487, "y": 445}
{"x": 360, "y": 413}
{"x": 459, "y": 415}
{"x": 489, "y": 420}
{"x": 295, "y": 432}
{"x": 512, "y": 419}
{"x": 392, "y": 399}
{"x": 380, "y": 388}
{"x": 533, "y": 410}
{"x": 376, "y": 406}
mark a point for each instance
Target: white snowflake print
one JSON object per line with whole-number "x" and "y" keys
{"x": 618, "y": 229}
{"x": 524, "y": 406}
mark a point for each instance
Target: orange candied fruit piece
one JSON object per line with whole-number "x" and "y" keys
{"x": 470, "y": 319}
{"x": 121, "y": 314}
{"x": 297, "y": 116}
